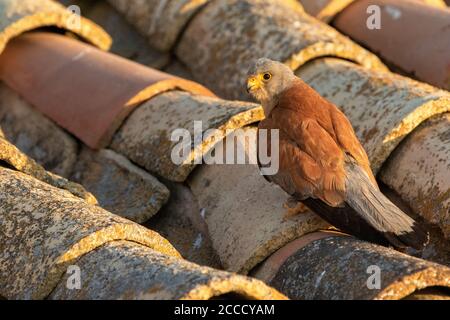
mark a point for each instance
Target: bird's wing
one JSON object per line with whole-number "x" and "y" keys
{"x": 311, "y": 163}
{"x": 347, "y": 140}
{"x": 298, "y": 172}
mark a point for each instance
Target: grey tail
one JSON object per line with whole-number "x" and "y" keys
{"x": 380, "y": 213}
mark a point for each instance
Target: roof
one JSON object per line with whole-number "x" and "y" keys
{"x": 224, "y": 221}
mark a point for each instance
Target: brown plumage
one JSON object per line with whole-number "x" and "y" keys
{"x": 321, "y": 161}
{"x": 314, "y": 143}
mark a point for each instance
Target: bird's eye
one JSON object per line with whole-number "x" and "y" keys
{"x": 267, "y": 76}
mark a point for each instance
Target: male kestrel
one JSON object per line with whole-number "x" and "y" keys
{"x": 322, "y": 163}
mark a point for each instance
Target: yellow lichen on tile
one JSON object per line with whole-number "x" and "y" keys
{"x": 19, "y": 16}
{"x": 127, "y": 270}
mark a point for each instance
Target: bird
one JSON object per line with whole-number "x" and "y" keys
{"x": 322, "y": 164}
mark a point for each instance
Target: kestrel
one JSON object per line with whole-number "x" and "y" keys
{"x": 321, "y": 162}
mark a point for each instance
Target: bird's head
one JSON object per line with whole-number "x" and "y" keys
{"x": 266, "y": 79}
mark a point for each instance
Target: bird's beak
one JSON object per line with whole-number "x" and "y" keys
{"x": 252, "y": 84}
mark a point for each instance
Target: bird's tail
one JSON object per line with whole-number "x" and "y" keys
{"x": 366, "y": 199}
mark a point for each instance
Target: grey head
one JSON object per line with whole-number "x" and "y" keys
{"x": 266, "y": 79}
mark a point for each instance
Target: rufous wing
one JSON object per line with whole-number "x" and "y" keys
{"x": 311, "y": 163}
{"x": 348, "y": 141}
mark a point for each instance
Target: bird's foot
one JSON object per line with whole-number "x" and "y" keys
{"x": 293, "y": 208}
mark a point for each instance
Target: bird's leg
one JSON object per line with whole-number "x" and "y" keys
{"x": 293, "y": 207}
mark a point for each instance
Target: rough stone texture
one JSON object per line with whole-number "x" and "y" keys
{"x": 177, "y": 68}
{"x": 419, "y": 171}
{"x": 245, "y": 213}
{"x": 145, "y": 136}
{"x": 35, "y": 135}
{"x": 326, "y": 10}
{"x": 428, "y": 294}
{"x": 12, "y": 157}
{"x": 438, "y": 248}
{"x": 181, "y": 223}
{"x": 127, "y": 42}
{"x": 19, "y": 16}
{"x": 125, "y": 270}
{"x": 382, "y": 107}
{"x": 44, "y": 229}
{"x": 336, "y": 268}
{"x": 269, "y": 268}
{"x": 161, "y": 21}
{"x": 229, "y": 35}
{"x": 119, "y": 186}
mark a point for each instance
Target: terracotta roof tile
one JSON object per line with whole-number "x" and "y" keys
{"x": 419, "y": 171}
{"x": 118, "y": 85}
{"x": 337, "y": 268}
{"x": 19, "y": 16}
{"x": 127, "y": 42}
{"x": 119, "y": 186}
{"x": 228, "y": 35}
{"x": 161, "y": 21}
{"x": 423, "y": 51}
{"x": 12, "y": 157}
{"x": 402, "y": 123}
{"x": 180, "y": 222}
{"x": 45, "y": 229}
{"x": 151, "y": 146}
{"x": 326, "y": 10}
{"x": 125, "y": 270}
{"x": 64, "y": 230}
{"x": 36, "y": 135}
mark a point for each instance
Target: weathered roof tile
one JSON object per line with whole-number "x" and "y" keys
{"x": 14, "y": 158}
{"x": 45, "y": 229}
{"x": 119, "y": 259}
{"x": 127, "y": 42}
{"x": 119, "y": 186}
{"x": 36, "y": 135}
{"x": 179, "y": 222}
{"x": 161, "y": 21}
{"x": 19, "y": 16}
{"x": 145, "y": 137}
{"x": 125, "y": 270}
{"x": 419, "y": 171}
{"x": 423, "y": 51}
{"x": 326, "y": 10}
{"x": 229, "y": 35}
{"x": 108, "y": 87}
{"x": 343, "y": 268}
